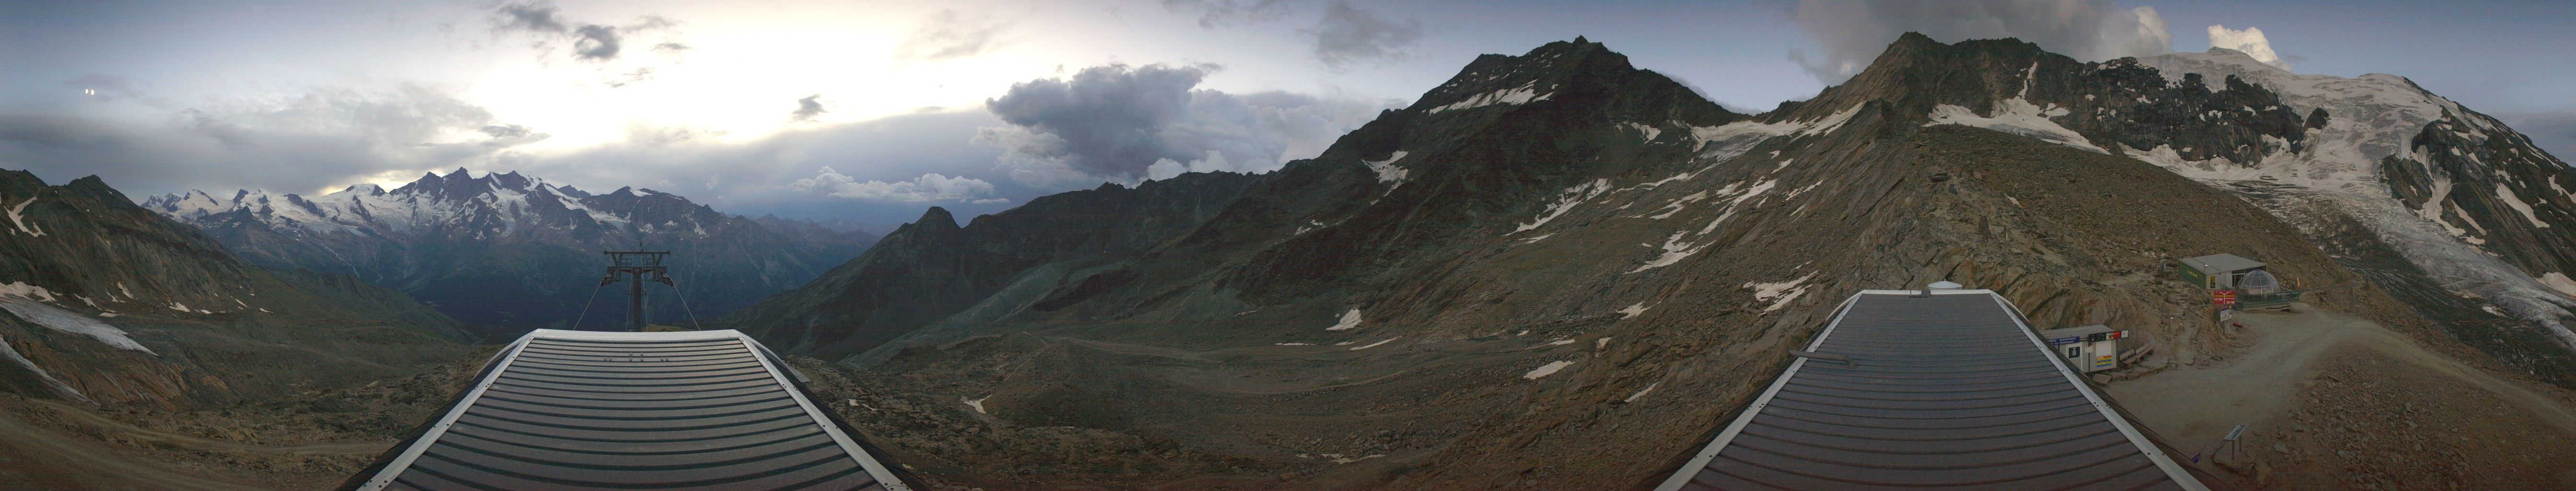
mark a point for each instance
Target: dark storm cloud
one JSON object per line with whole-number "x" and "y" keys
{"x": 1105, "y": 120}
{"x": 591, "y": 42}
{"x": 1123, "y": 124}
{"x": 595, "y": 42}
{"x": 529, "y": 16}
{"x": 807, "y": 108}
{"x": 1229, "y": 13}
{"x": 1853, "y": 32}
{"x": 1348, "y": 35}
{"x": 949, "y": 34}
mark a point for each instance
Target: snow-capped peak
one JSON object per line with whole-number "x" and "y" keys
{"x": 496, "y": 202}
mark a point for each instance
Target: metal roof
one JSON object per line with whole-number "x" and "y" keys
{"x": 2076, "y": 331}
{"x": 2220, "y": 263}
{"x": 573, "y": 410}
{"x": 1948, "y": 390}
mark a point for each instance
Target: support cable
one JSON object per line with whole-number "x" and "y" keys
{"x": 585, "y": 306}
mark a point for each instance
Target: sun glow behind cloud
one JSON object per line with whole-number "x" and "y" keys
{"x": 741, "y": 78}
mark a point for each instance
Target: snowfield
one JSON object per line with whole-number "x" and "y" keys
{"x": 1349, "y": 320}
{"x": 1524, "y": 94}
{"x": 2016, "y": 116}
{"x": 66, "y": 321}
{"x": 1545, "y": 370}
{"x": 17, "y": 217}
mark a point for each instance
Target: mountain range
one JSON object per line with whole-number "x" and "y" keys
{"x": 1557, "y": 270}
{"x": 1554, "y": 270}
{"x": 111, "y": 304}
{"x": 505, "y": 253}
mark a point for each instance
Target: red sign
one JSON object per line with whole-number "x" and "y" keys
{"x": 2222, "y": 297}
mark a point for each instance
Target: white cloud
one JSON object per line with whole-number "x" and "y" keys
{"x": 928, "y": 187}
{"x": 2249, "y": 40}
{"x": 949, "y": 34}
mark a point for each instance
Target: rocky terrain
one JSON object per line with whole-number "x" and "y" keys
{"x": 116, "y": 318}
{"x": 504, "y": 253}
{"x": 305, "y": 440}
{"x": 932, "y": 269}
{"x": 1557, "y": 270}
{"x": 110, "y": 304}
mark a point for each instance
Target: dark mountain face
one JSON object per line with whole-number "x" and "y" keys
{"x": 505, "y": 253}
{"x": 930, "y": 269}
{"x": 109, "y": 303}
{"x": 1556, "y": 270}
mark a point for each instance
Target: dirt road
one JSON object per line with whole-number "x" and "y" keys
{"x": 2323, "y": 390}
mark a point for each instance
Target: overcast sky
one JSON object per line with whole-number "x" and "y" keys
{"x": 872, "y": 111}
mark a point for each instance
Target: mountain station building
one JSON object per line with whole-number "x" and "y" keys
{"x": 2217, "y": 271}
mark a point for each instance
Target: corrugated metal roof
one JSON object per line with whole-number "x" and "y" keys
{"x": 2076, "y": 331}
{"x": 1948, "y": 390}
{"x": 2221, "y": 263}
{"x": 571, "y": 410}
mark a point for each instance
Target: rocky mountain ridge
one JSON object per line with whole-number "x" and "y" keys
{"x": 1557, "y": 268}
{"x": 505, "y": 253}
{"x": 932, "y": 268}
{"x": 111, "y": 304}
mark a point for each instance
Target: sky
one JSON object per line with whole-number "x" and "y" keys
{"x": 873, "y": 111}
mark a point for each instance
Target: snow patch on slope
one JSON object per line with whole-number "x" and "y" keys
{"x": 1349, "y": 320}
{"x": 2016, "y": 116}
{"x": 1387, "y": 171}
{"x": 2505, "y": 193}
{"x": 1642, "y": 392}
{"x": 1785, "y": 291}
{"x": 1373, "y": 345}
{"x": 2558, "y": 281}
{"x": 1545, "y": 370}
{"x": 1675, "y": 249}
{"x": 1565, "y": 202}
{"x": 17, "y": 217}
{"x": 1650, "y": 132}
{"x": 66, "y": 321}
{"x": 1524, "y": 94}
{"x": 1730, "y": 140}
{"x": 21, "y": 289}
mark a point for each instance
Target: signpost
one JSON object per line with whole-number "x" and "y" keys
{"x": 2222, "y": 297}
